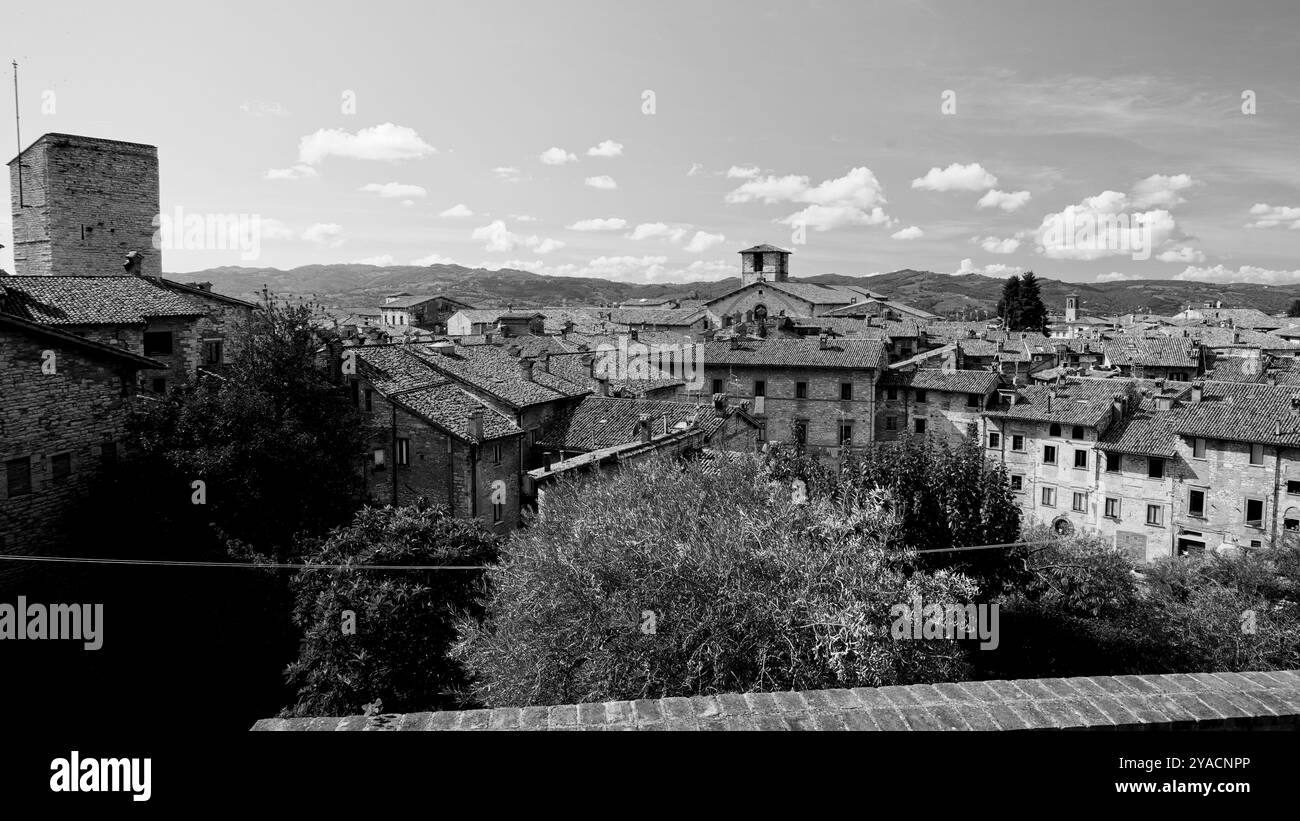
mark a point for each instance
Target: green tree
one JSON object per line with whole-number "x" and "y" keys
{"x": 1033, "y": 313}
{"x": 1294, "y": 310}
{"x": 1009, "y": 304}
{"x": 667, "y": 579}
{"x": 404, "y": 621}
{"x": 274, "y": 443}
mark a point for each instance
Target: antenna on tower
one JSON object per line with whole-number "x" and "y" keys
{"x": 18, "y": 130}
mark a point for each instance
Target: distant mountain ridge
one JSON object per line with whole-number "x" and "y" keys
{"x": 355, "y": 285}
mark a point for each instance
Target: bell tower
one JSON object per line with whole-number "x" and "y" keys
{"x": 1072, "y": 308}
{"x": 764, "y": 263}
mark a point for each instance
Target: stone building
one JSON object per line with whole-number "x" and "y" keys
{"x": 819, "y": 392}
{"x": 600, "y": 422}
{"x": 429, "y": 313}
{"x": 66, "y": 402}
{"x": 933, "y": 402}
{"x": 83, "y": 203}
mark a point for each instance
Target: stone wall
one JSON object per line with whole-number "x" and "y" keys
{"x": 822, "y": 408}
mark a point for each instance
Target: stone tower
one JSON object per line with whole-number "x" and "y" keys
{"x": 84, "y": 204}
{"x": 1072, "y": 308}
{"x": 764, "y": 263}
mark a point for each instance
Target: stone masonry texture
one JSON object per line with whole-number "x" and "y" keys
{"x": 1222, "y": 701}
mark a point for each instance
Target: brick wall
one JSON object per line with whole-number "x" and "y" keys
{"x": 1260, "y": 701}
{"x": 73, "y": 411}
{"x": 945, "y": 413}
{"x": 93, "y": 201}
{"x": 181, "y": 362}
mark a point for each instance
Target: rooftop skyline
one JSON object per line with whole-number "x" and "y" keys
{"x": 863, "y": 137}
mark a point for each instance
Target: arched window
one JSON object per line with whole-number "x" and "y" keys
{"x": 1054, "y": 430}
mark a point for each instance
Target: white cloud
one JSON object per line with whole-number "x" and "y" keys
{"x": 1271, "y": 216}
{"x": 556, "y": 156}
{"x": 523, "y": 218}
{"x": 743, "y": 172}
{"x": 703, "y": 241}
{"x": 383, "y": 261}
{"x": 956, "y": 177}
{"x": 433, "y": 259}
{"x": 994, "y": 245}
{"x": 695, "y": 169}
{"x": 599, "y": 224}
{"x": 911, "y": 232}
{"x": 1183, "y": 254}
{"x": 393, "y": 190}
{"x": 460, "y": 209}
{"x": 652, "y": 230}
{"x": 322, "y": 233}
{"x": 1246, "y": 273}
{"x": 853, "y": 199}
{"x": 968, "y": 266}
{"x": 1113, "y": 276}
{"x": 507, "y": 173}
{"x": 1160, "y": 191}
{"x": 380, "y": 142}
{"x": 604, "y": 182}
{"x": 1009, "y": 201}
{"x": 272, "y": 228}
{"x": 1103, "y": 226}
{"x": 608, "y": 148}
{"x": 500, "y": 239}
{"x": 294, "y": 172}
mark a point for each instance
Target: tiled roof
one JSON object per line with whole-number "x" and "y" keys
{"x": 1146, "y": 432}
{"x": 954, "y": 381}
{"x": 391, "y": 368}
{"x": 495, "y": 372}
{"x": 1239, "y": 369}
{"x": 599, "y": 422}
{"x": 572, "y": 368}
{"x": 1216, "y": 337}
{"x": 839, "y": 353}
{"x": 481, "y": 315}
{"x": 1243, "y": 412}
{"x": 1240, "y": 317}
{"x": 117, "y": 300}
{"x": 765, "y": 249}
{"x": 860, "y": 306}
{"x": 407, "y": 301}
{"x": 96, "y": 348}
{"x": 450, "y": 406}
{"x": 1144, "y": 351}
{"x": 849, "y": 326}
{"x": 978, "y": 347}
{"x": 1076, "y": 402}
{"x": 657, "y": 316}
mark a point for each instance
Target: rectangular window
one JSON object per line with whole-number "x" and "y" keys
{"x": 498, "y": 513}
{"x": 1080, "y": 502}
{"x": 1080, "y": 458}
{"x": 403, "y": 451}
{"x": 1155, "y": 467}
{"x": 1257, "y": 454}
{"x": 61, "y": 467}
{"x": 356, "y": 394}
{"x": 920, "y": 425}
{"x": 1114, "y": 461}
{"x": 920, "y": 397}
{"x": 846, "y": 391}
{"x": 1049, "y": 454}
{"x": 1078, "y": 433}
{"x": 157, "y": 342}
{"x": 801, "y": 432}
{"x": 995, "y": 439}
{"x": 1018, "y": 442}
{"x": 496, "y": 453}
{"x": 1198, "y": 448}
{"x": 1293, "y": 487}
{"x": 379, "y": 458}
{"x": 717, "y": 386}
{"x": 760, "y": 387}
{"x": 370, "y": 399}
{"x": 1254, "y": 512}
{"x": 973, "y": 400}
{"x": 846, "y": 434}
{"x": 1155, "y": 515}
{"x": 891, "y": 423}
{"x": 891, "y": 392}
{"x": 1049, "y": 497}
{"x": 1017, "y": 483}
{"x": 801, "y": 390}
{"x": 160, "y": 385}
{"x": 1112, "y": 507}
{"x": 1256, "y": 543}
{"x": 212, "y": 351}
{"x": 18, "y": 473}
{"x": 1195, "y": 502}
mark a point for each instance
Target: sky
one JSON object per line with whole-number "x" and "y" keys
{"x": 650, "y": 142}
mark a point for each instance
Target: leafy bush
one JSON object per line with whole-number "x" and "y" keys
{"x": 669, "y": 579}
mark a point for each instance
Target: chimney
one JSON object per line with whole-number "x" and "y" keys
{"x": 548, "y": 459}
{"x": 720, "y": 404}
{"x": 821, "y": 342}
{"x": 631, "y": 334}
{"x": 1164, "y": 403}
{"x": 1117, "y": 406}
{"x": 487, "y": 337}
{"x": 602, "y": 387}
{"x": 1197, "y": 388}
{"x": 134, "y": 260}
{"x": 526, "y": 369}
{"x": 1236, "y": 337}
{"x": 545, "y": 357}
{"x": 643, "y": 427}
{"x": 475, "y": 426}
{"x": 735, "y": 343}
{"x": 514, "y": 350}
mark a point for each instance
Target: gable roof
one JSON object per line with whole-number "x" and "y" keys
{"x": 765, "y": 249}
{"x": 954, "y": 381}
{"x": 1074, "y": 402}
{"x": 91, "y": 347}
{"x": 1245, "y": 412}
{"x": 89, "y": 300}
{"x": 798, "y": 353}
{"x": 600, "y": 421}
{"x": 495, "y": 372}
{"x": 1172, "y": 352}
